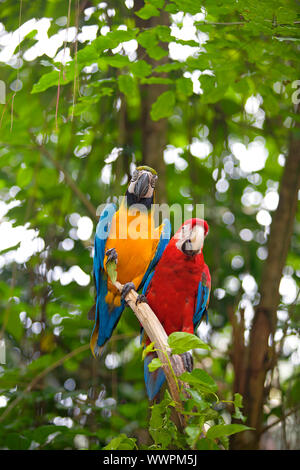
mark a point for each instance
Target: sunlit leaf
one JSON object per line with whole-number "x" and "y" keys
{"x": 181, "y": 342}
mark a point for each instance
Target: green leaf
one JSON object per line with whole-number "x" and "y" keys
{"x": 238, "y": 403}
{"x": 163, "y": 106}
{"x": 156, "y": 52}
{"x": 24, "y": 176}
{"x": 206, "y": 444}
{"x": 193, "y": 432}
{"x": 156, "y": 419}
{"x": 188, "y": 6}
{"x": 184, "y": 86}
{"x": 16, "y": 441}
{"x": 168, "y": 67}
{"x": 148, "y": 349}
{"x": 161, "y": 436}
{"x": 122, "y": 442}
{"x": 140, "y": 68}
{"x": 161, "y": 427}
{"x": 46, "y": 81}
{"x": 197, "y": 400}
{"x": 127, "y": 85}
{"x": 117, "y": 60}
{"x": 87, "y": 55}
{"x": 239, "y": 415}
{"x": 154, "y": 364}
{"x": 157, "y": 3}
{"x": 238, "y": 400}
{"x": 41, "y": 433}
{"x": 163, "y": 33}
{"x": 199, "y": 377}
{"x": 221, "y": 430}
{"x": 148, "y": 40}
{"x": 41, "y": 363}
{"x": 113, "y": 39}
{"x": 147, "y": 12}
{"x": 181, "y": 342}
{"x": 14, "y": 325}
{"x": 111, "y": 268}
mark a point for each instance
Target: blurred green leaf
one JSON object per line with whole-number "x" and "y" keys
{"x": 221, "y": 430}
{"x": 163, "y": 106}
{"x": 199, "y": 377}
{"x": 147, "y": 11}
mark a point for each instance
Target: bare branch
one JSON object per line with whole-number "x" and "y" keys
{"x": 157, "y": 335}
{"x": 282, "y": 418}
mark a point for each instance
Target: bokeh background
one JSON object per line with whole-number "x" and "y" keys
{"x": 206, "y": 92}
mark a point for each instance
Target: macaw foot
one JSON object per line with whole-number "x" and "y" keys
{"x": 141, "y": 299}
{"x": 126, "y": 288}
{"x": 112, "y": 255}
{"x": 187, "y": 360}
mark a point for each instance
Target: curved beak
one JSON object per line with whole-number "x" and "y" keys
{"x": 141, "y": 186}
{"x": 187, "y": 248}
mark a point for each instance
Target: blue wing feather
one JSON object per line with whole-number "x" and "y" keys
{"x": 164, "y": 240}
{"x": 153, "y": 380}
{"x": 104, "y": 316}
{"x": 201, "y": 304}
{"x": 144, "y": 291}
{"x": 147, "y": 283}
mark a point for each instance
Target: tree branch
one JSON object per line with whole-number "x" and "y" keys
{"x": 69, "y": 180}
{"x": 170, "y": 363}
{"x": 282, "y": 418}
{"x": 71, "y": 183}
{"x": 262, "y": 357}
{"x": 41, "y": 375}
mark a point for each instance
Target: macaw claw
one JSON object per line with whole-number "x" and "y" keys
{"x": 127, "y": 288}
{"x": 141, "y": 299}
{"x": 187, "y": 360}
{"x": 112, "y": 255}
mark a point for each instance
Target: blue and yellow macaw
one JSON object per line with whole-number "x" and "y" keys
{"x": 129, "y": 237}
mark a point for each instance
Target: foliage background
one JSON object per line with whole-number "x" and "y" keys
{"x": 203, "y": 91}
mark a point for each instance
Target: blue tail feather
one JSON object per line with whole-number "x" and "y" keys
{"x": 153, "y": 380}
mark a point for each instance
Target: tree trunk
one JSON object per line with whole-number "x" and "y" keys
{"x": 154, "y": 133}
{"x": 259, "y": 357}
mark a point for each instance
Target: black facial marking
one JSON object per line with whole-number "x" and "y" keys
{"x": 132, "y": 199}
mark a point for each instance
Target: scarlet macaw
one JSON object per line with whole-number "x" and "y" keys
{"x": 178, "y": 291}
{"x": 135, "y": 251}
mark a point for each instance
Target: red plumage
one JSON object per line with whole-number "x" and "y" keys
{"x": 173, "y": 290}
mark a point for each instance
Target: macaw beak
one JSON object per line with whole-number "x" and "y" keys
{"x": 187, "y": 248}
{"x": 193, "y": 241}
{"x": 141, "y": 186}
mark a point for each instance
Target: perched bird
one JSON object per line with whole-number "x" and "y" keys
{"x": 178, "y": 291}
{"x": 128, "y": 238}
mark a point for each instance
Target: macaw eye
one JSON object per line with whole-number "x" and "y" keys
{"x": 134, "y": 176}
{"x": 153, "y": 181}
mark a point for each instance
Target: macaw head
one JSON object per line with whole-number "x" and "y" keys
{"x": 142, "y": 185}
{"x": 190, "y": 236}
